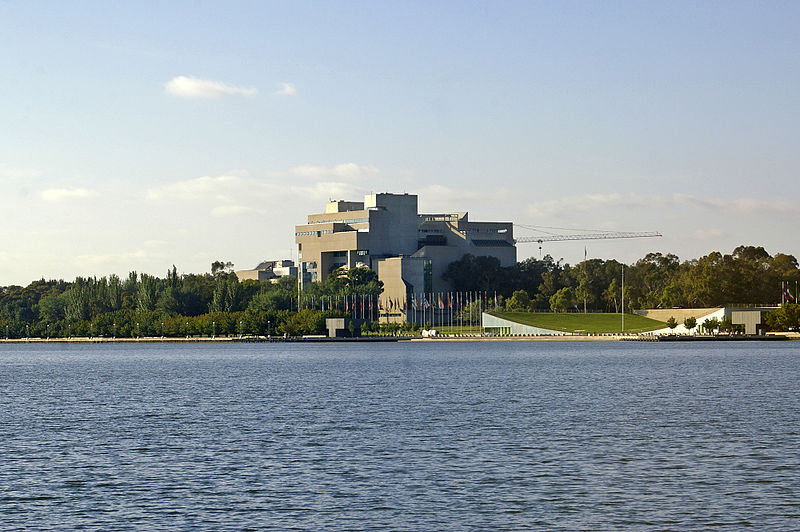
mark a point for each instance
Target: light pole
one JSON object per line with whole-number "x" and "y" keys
{"x": 137, "y": 330}
{"x": 26, "y": 331}
{"x": 48, "y": 331}
{"x": 69, "y": 331}
{"x": 162, "y": 330}
{"x": 213, "y": 329}
{"x": 240, "y": 328}
{"x": 623, "y": 298}
{"x": 114, "y": 336}
{"x": 187, "y": 330}
{"x": 269, "y": 328}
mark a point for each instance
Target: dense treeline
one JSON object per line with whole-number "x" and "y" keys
{"x": 749, "y": 275}
{"x": 217, "y": 303}
{"x": 145, "y": 305}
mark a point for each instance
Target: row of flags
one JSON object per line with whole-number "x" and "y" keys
{"x": 422, "y": 302}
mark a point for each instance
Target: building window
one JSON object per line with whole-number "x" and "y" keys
{"x": 350, "y": 221}
{"x": 428, "y": 269}
{"x": 340, "y": 254}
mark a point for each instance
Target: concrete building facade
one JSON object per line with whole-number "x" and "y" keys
{"x": 410, "y": 251}
{"x": 749, "y": 318}
{"x": 270, "y": 270}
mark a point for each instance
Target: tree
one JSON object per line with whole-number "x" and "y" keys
{"x": 476, "y": 274}
{"x": 77, "y": 301}
{"x": 51, "y": 308}
{"x": 219, "y": 267}
{"x": 710, "y": 325}
{"x": 520, "y": 301}
{"x": 361, "y": 281}
{"x": 690, "y": 323}
{"x": 584, "y": 292}
{"x": 786, "y": 318}
{"x": 671, "y": 322}
{"x": 611, "y": 295}
{"x": 562, "y": 299}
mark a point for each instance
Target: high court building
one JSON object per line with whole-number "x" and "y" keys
{"x": 410, "y": 251}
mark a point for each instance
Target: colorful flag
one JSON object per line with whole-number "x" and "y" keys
{"x": 788, "y": 295}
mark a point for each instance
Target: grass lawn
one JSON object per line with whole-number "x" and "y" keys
{"x": 578, "y": 322}
{"x": 455, "y": 329}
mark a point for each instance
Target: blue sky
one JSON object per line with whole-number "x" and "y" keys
{"x": 137, "y": 135}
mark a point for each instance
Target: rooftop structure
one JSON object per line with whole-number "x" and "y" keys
{"x": 269, "y": 270}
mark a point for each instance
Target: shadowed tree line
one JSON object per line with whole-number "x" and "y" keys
{"x": 145, "y": 305}
{"x": 749, "y": 275}
{"x": 176, "y": 305}
{"x": 217, "y": 303}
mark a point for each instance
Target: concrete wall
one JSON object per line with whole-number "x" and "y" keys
{"x": 254, "y": 275}
{"x": 679, "y": 314}
{"x": 392, "y": 224}
{"x": 750, "y": 318}
{"x": 343, "y": 206}
{"x": 513, "y": 328}
{"x": 399, "y": 275}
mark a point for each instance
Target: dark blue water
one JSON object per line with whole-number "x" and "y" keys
{"x": 424, "y": 436}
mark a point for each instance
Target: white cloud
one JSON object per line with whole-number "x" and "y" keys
{"x": 589, "y": 202}
{"x": 320, "y": 183}
{"x": 349, "y": 171}
{"x": 708, "y": 234}
{"x": 286, "y": 89}
{"x": 189, "y": 87}
{"x": 220, "y": 187}
{"x": 442, "y": 198}
{"x": 738, "y": 205}
{"x": 14, "y": 172}
{"x": 594, "y": 202}
{"x": 111, "y": 258}
{"x": 233, "y": 210}
{"x": 65, "y": 194}
{"x": 235, "y": 196}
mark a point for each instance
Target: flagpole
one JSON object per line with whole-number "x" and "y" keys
{"x": 623, "y": 298}
{"x": 460, "y": 314}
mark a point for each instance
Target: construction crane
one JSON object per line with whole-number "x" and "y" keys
{"x": 597, "y": 235}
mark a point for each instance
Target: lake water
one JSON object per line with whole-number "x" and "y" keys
{"x": 420, "y": 436}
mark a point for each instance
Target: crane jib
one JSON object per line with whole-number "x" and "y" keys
{"x": 586, "y": 236}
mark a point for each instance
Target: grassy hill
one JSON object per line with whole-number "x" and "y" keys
{"x": 578, "y": 322}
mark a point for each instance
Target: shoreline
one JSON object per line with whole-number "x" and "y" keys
{"x": 791, "y": 336}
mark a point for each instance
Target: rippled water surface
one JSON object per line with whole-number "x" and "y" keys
{"x": 551, "y": 435}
